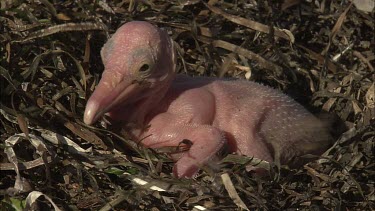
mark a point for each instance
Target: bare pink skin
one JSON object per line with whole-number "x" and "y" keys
{"x": 140, "y": 87}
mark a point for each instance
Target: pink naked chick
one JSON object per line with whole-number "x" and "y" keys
{"x": 140, "y": 87}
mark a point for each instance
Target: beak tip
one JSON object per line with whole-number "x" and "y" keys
{"x": 87, "y": 118}
{"x": 90, "y": 116}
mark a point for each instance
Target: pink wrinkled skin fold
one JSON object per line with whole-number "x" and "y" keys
{"x": 140, "y": 87}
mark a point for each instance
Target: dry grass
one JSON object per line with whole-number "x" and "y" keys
{"x": 319, "y": 53}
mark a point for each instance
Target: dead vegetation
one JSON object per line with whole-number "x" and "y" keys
{"x": 319, "y": 52}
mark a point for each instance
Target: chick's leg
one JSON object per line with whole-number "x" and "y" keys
{"x": 205, "y": 140}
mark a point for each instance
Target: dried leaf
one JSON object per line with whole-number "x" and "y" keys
{"x": 370, "y": 96}
{"x": 328, "y": 105}
{"x": 34, "y": 66}
{"x": 58, "y": 139}
{"x": 364, "y": 5}
{"x": 252, "y": 24}
{"x": 364, "y": 60}
{"x": 248, "y": 54}
{"x": 5, "y": 73}
{"x": 331, "y": 66}
{"x": 22, "y": 123}
{"x": 336, "y": 28}
{"x": 87, "y": 135}
{"x": 33, "y": 198}
{"x": 63, "y": 17}
{"x": 228, "y": 184}
{"x": 49, "y": 6}
{"x": 356, "y": 108}
{"x": 67, "y": 27}
{"x": 289, "y": 3}
{"x": 21, "y": 184}
{"x": 62, "y": 92}
{"x": 106, "y": 7}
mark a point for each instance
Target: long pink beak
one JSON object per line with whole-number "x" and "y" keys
{"x": 105, "y": 98}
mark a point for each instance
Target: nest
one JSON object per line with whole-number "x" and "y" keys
{"x": 320, "y": 53}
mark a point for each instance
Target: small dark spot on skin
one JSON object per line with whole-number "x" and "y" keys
{"x": 187, "y": 142}
{"x": 184, "y": 145}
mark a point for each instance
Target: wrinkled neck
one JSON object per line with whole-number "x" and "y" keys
{"x": 149, "y": 104}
